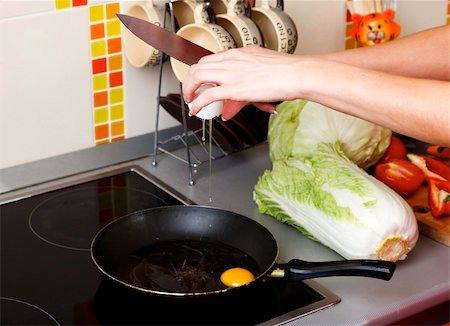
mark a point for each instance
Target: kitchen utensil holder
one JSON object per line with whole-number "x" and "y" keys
{"x": 186, "y": 135}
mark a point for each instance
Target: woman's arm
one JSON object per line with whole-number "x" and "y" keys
{"x": 347, "y": 82}
{"x": 421, "y": 55}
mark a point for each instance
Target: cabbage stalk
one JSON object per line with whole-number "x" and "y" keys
{"x": 317, "y": 187}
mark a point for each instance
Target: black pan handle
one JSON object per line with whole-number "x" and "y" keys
{"x": 298, "y": 270}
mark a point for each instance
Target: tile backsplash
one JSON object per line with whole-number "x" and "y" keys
{"x": 66, "y": 85}
{"x": 107, "y": 72}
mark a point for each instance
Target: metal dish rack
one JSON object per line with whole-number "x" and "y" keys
{"x": 187, "y": 134}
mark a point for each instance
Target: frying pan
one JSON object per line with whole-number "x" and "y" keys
{"x": 134, "y": 251}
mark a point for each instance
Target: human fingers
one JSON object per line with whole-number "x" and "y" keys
{"x": 231, "y": 108}
{"x": 266, "y": 107}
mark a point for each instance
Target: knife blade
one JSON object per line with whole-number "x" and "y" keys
{"x": 170, "y": 43}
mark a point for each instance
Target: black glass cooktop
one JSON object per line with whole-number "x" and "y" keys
{"x": 48, "y": 277}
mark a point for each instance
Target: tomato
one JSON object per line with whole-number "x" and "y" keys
{"x": 439, "y": 151}
{"x": 396, "y": 149}
{"x": 432, "y": 168}
{"x": 439, "y": 197}
{"x": 402, "y": 176}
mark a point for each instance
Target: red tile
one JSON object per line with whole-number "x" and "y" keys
{"x": 76, "y": 3}
{"x": 98, "y": 66}
{"x": 116, "y": 79}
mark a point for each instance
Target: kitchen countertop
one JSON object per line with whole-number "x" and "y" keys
{"x": 420, "y": 282}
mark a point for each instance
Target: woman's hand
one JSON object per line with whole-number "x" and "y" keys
{"x": 244, "y": 75}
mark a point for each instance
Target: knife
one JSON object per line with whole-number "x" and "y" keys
{"x": 170, "y": 43}
{"x": 176, "y": 47}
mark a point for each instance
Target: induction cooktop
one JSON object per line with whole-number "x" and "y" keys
{"x": 48, "y": 277}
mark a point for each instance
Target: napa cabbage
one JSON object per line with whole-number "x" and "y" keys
{"x": 318, "y": 184}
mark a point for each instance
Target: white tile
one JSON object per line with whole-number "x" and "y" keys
{"x": 46, "y": 86}
{"x": 14, "y": 8}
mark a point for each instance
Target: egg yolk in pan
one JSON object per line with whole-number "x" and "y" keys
{"x": 236, "y": 276}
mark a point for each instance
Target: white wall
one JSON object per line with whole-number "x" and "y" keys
{"x": 45, "y": 73}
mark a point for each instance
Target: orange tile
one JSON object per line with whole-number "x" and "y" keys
{"x": 98, "y": 66}
{"x": 101, "y": 131}
{"x": 117, "y": 139}
{"x": 77, "y": 3}
{"x": 116, "y": 79}
{"x": 115, "y": 62}
{"x": 97, "y": 31}
{"x": 114, "y": 45}
{"x": 117, "y": 128}
{"x": 112, "y": 9}
{"x": 100, "y": 99}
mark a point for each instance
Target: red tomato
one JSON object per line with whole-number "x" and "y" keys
{"x": 396, "y": 149}
{"x": 401, "y": 175}
{"x": 439, "y": 151}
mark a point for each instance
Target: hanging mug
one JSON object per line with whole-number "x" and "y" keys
{"x": 183, "y": 11}
{"x": 139, "y": 53}
{"x": 203, "y": 32}
{"x": 277, "y": 28}
{"x": 219, "y": 6}
{"x": 243, "y": 30}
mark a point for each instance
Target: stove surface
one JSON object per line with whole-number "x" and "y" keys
{"x": 48, "y": 277}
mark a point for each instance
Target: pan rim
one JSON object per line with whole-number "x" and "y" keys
{"x": 178, "y": 294}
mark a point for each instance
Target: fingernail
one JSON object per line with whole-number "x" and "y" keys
{"x": 189, "y": 113}
{"x": 274, "y": 112}
{"x": 222, "y": 118}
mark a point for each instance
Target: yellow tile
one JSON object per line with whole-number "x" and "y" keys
{"x": 117, "y": 112}
{"x": 116, "y": 95}
{"x": 62, "y": 4}
{"x": 96, "y": 13}
{"x": 98, "y": 48}
{"x": 115, "y": 62}
{"x": 112, "y": 9}
{"x": 101, "y": 115}
{"x": 102, "y": 142}
{"x": 100, "y": 82}
{"x": 113, "y": 28}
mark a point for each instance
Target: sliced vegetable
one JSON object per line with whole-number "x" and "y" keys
{"x": 432, "y": 168}
{"x": 439, "y": 197}
{"x": 316, "y": 187}
{"x": 401, "y": 175}
{"x": 439, "y": 151}
{"x": 396, "y": 149}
